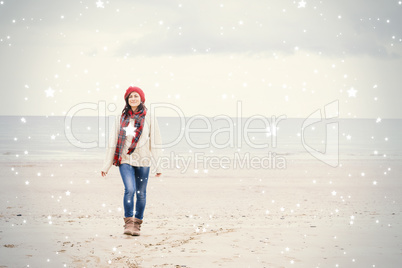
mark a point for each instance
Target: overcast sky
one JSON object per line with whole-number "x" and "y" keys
{"x": 276, "y": 57}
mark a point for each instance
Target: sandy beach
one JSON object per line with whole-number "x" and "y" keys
{"x": 64, "y": 214}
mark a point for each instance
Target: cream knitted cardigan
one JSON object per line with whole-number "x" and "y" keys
{"x": 144, "y": 154}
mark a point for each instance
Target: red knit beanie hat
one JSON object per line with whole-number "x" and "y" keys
{"x": 135, "y": 89}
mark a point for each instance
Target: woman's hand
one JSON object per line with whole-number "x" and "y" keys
{"x": 103, "y": 174}
{"x": 158, "y": 174}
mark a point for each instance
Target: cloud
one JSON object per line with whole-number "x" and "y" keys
{"x": 332, "y": 29}
{"x": 154, "y": 28}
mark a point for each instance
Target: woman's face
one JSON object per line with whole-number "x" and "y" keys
{"x": 134, "y": 99}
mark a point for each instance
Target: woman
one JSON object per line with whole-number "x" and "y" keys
{"x": 131, "y": 148}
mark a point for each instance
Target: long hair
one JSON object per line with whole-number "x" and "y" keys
{"x": 128, "y": 107}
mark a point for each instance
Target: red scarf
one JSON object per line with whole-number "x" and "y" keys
{"x": 139, "y": 118}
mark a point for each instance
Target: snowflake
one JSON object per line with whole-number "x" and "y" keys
{"x": 130, "y": 130}
{"x": 352, "y": 92}
{"x": 302, "y": 4}
{"x": 49, "y": 92}
{"x": 100, "y": 4}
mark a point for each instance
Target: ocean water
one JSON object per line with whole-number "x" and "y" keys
{"x": 36, "y": 138}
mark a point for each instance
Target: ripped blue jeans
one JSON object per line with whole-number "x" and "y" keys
{"x": 135, "y": 181}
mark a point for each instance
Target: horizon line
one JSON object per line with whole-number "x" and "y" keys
{"x": 373, "y": 118}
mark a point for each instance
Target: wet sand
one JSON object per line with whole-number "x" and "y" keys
{"x": 64, "y": 214}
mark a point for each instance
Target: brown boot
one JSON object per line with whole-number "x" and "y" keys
{"x": 137, "y": 226}
{"x": 129, "y": 226}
